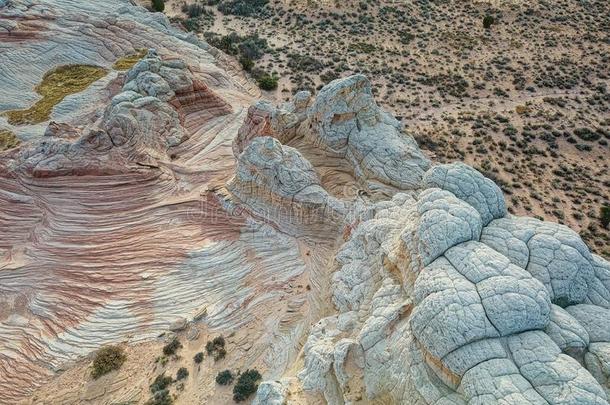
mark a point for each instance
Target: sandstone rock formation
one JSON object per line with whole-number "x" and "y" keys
{"x": 440, "y": 295}
{"x": 347, "y": 267}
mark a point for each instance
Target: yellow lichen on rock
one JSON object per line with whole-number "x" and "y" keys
{"x": 8, "y": 140}
{"x": 54, "y": 87}
{"x": 127, "y": 62}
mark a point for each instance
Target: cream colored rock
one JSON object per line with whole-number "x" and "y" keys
{"x": 164, "y": 195}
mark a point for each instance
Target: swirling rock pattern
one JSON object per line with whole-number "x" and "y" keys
{"x": 159, "y": 197}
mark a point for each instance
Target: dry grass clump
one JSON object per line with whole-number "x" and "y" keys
{"x": 8, "y": 140}
{"x": 127, "y": 62}
{"x": 107, "y": 359}
{"x": 55, "y": 86}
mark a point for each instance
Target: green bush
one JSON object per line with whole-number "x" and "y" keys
{"x": 158, "y": 5}
{"x": 268, "y": 82}
{"x": 604, "y": 215}
{"x": 220, "y": 354}
{"x": 161, "y": 383}
{"x": 216, "y": 348}
{"x": 246, "y": 385}
{"x": 224, "y": 378}
{"x": 242, "y": 7}
{"x": 160, "y": 398}
{"x": 217, "y": 343}
{"x": 160, "y": 391}
{"x": 246, "y": 63}
{"x": 253, "y": 47}
{"x": 182, "y": 373}
{"x": 198, "y": 358}
{"x": 172, "y": 347}
{"x": 107, "y": 359}
{"x": 193, "y": 10}
{"x": 488, "y": 21}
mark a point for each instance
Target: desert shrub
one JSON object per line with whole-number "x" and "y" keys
{"x": 107, "y": 359}
{"x": 160, "y": 398}
{"x": 220, "y": 354}
{"x": 198, "y": 358}
{"x": 253, "y": 46}
{"x": 604, "y": 215}
{"x": 268, "y": 82}
{"x": 246, "y": 63}
{"x": 158, "y": 5}
{"x": 161, "y": 383}
{"x": 586, "y": 134}
{"x": 224, "y": 378}
{"x": 246, "y": 385}
{"x": 488, "y": 21}
{"x": 182, "y": 373}
{"x": 160, "y": 391}
{"x": 242, "y": 7}
{"x": 304, "y": 63}
{"x": 216, "y": 348}
{"x": 171, "y": 348}
{"x": 454, "y": 85}
{"x": 329, "y": 76}
{"x": 193, "y": 10}
{"x": 191, "y": 24}
{"x": 215, "y": 344}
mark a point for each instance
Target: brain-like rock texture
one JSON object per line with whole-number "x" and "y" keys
{"x": 347, "y": 121}
{"x": 336, "y": 258}
{"x": 470, "y": 186}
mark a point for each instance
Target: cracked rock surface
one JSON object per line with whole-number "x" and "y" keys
{"x": 336, "y": 258}
{"x": 441, "y": 296}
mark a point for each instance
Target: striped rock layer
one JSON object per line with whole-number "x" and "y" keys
{"x": 167, "y": 192}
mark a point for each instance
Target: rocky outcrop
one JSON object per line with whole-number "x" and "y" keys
{"x": 160, "y": 200}
{"x": 472, "y": 318}
{"x": 344, "y": 121}
{"x": 276, "y": 180}
{"x": 282, "y": 122}
{"x": 139, "y": 126}
{"x": 440, "y": 295}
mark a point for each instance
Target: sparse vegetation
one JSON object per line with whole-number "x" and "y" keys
{"x": 107, "y": 359}
{"x": 160, "y": 398}
{"x": 480, "y": 98}
{"x": 198, "y": 358}
{"x": 488, "y": 21}
{"x": 158, "y": 5}
{"x": 216, "y": 348}
{"x": 225, "y": 378}
{"x": 604, "y": 214}
{"x": 161, "y": 383}
{"x": 160, "y": 391}
{"x": 242, "y": 7}
{"x": 182, "y": 373}
{"x": 172, "y": 347}
{"x": 246, "y": 385}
